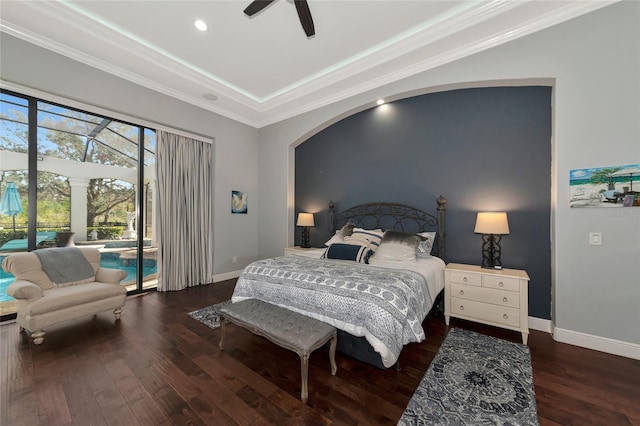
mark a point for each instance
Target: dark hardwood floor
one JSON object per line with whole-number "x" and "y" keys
{"x": 160, "y": 367}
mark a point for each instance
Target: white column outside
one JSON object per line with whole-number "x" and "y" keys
{"x": 79, "y": 207}
{"x": 154, "y": 236}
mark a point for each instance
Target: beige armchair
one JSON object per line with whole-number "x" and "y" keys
{"x": 43, "y": 303}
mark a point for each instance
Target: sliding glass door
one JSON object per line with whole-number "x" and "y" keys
{"x": 82, "y": 179}
{"x": 14, "y": 186}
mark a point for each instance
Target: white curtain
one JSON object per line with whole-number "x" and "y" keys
{"x": 184, "y": 176}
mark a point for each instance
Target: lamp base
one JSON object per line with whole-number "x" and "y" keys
{"x": 305, "y": 237}
{"x": 491, "y": 251}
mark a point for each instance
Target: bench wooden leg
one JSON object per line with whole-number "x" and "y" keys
{"x": 304, "y": 393}
{"x": 223, "y": 330}
{"x": 332, "y": 354}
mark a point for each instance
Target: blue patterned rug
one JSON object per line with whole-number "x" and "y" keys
{"x": 209, "y": 315}
{"x": 475, "y": 380}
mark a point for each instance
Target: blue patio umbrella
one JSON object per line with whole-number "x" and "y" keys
{"x": 10, "y": 204}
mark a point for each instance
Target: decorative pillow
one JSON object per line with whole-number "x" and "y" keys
{"x": 340, "y": 234}
{"x": 347, "y": 229}
{"x": 337, "y": 238}
{"x": 354, "y": 252}
{"x": 425, "y": 246}
{"x": 398, "y": 246}
{"x": 369, "y": 237}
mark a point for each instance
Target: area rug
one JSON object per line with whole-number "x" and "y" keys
{"x": 209, "y": 315}
{"x": 475, "y": 380}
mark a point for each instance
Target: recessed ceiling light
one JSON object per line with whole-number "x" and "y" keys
{"x": 380, "y": 101}
{"x": 210, "y": 97}
{"x": 201, "y": 25}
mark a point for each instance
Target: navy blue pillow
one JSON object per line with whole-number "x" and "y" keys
{"x": 353, "y": 252}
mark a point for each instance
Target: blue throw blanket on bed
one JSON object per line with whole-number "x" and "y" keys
{"x": 66, "y": 265}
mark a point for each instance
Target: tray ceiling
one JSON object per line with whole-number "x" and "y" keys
{"x": 263, "y": 69}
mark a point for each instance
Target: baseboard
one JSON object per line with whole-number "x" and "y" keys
{"x": 602, "y": 344}
{"x": 540, "y": 324}
{"x": 226, "y": 276}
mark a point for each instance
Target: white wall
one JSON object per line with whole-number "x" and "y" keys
{"x": 236, "y": 144}
{"x": 595, "y": 61}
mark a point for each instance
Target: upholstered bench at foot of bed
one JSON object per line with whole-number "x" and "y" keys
{"x": 285, "y": 328}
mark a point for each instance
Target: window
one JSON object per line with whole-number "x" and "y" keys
{"x": 79, "y": 178}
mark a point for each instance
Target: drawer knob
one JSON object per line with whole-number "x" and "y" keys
{"x": 504, "y": 299}
{"x": 464, "y": 279}
{"x": 461, "y": 307}
{"x": 505, "y": 316}
{"x": 501, "y": 284}
{"x": 461, "y": 292}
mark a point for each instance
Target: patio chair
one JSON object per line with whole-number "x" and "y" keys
{"x": 43, "y": 239}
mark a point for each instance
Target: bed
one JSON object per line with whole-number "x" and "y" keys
{"x": 377, "y": 304}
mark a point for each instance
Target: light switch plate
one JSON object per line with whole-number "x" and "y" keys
{"x": 595, "y": 238}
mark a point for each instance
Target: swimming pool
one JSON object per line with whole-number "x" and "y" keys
{"x": 107, "y": 260}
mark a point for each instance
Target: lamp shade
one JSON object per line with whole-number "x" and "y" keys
{"x": 305, "y": 219}
{"x": 492, "y": 223}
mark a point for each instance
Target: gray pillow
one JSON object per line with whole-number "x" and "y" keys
{"x": 347, "y": 229}
{"x": 398, "y": 246}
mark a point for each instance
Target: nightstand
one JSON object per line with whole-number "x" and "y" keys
{"x": 314, "y": 252}
{"x": 490, "y": 296}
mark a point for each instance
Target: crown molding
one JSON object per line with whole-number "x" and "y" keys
{"x": 318, "y": 90}
{"x": 571, "y": 10}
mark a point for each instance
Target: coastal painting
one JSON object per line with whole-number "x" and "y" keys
{"x": 614, "y": 186}
{"x": 239, "y": 202}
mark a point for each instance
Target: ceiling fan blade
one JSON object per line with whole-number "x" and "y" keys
{"x": 305, "y": 17}
{"x": 256, "y": 6}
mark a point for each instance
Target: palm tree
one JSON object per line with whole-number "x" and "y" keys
{"x": 604, "y": 176}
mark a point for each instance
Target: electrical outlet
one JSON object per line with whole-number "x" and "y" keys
{"x": 234, "y": 259}
{"x": 595, "y": 238}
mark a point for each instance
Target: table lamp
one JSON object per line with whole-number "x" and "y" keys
{"x": 491, "y": 225}
{"x": 305, "y": 220}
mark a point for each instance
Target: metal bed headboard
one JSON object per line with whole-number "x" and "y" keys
{"x": 394, "y": 216}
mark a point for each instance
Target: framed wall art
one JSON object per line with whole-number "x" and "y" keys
{"x": 605, "y": 186}
{"x": 239, "y": 202}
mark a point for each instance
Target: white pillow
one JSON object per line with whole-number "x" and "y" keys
{"x": 370, "y": 237}
{"x": 337, "y": 238}
{"x": 426, "y": 246}
{"x": 341, "y": 234}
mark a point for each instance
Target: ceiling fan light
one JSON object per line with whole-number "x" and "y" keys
{"x": 201, "y": 25}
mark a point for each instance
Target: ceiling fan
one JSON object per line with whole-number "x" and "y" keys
{"x": 301, "y": 6}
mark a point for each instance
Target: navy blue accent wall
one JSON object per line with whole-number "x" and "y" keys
{"x": 484, "y": 149}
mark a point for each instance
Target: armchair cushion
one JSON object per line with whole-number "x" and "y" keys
{"x": 77, "y": 295}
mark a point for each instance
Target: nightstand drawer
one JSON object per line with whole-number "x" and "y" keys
{"x": 485, "y": 312}
{"x": 488, "y": 295}
{"x": 501, "y": 283}
{"x": 469, "y": 279}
